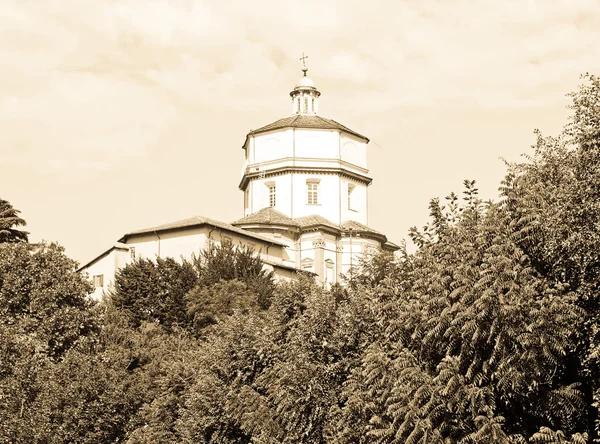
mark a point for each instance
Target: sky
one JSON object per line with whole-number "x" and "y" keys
{"x": 121, "y": 115}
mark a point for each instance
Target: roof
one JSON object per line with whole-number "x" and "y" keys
{"x": 356, "y": 226}
{"x": 301, "y": 121}
{"x": 270, "y": 216}
{"x": 197, "y": 221}
{"x": 315, "y": 220}
{"x": 267, "y": 216}
{"x": 280, "y": 265}
{"x": 391, "y": 246}
{"x": 115, "y": 246}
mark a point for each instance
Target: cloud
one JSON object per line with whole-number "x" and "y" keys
{"x": 86, "y": 85}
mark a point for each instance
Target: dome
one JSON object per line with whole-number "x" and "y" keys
{"x": 305, "y": 96}
{"x": 305, "y": 81}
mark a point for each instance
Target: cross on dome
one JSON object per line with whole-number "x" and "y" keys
{"x": 304, "y": 68}
{"x": 305, "y": 96}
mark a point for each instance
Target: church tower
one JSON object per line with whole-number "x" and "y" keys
{"x": 306, "y": 164}
{"x": 305, "y": 187}
{"x": 305, "y": 177}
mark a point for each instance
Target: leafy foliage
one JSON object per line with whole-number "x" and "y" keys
{"x": 42, "y": 297}
{"x": 489, "y": 333}
{"x": 154, "y": 291}
{"x": 43, "y": 314}
{"x": 9, "y": 219}
{"x": 224, "y": 261}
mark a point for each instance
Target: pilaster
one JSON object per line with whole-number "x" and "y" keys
{"x": 319, "y": 247}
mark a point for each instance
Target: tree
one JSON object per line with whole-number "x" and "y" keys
{"x": 475, "y": 345}
{"x": 255, "y": 367}
{"x": 228, "y": 262}
{"x": 9, "y": 219}
{"x": 154, "y": 291}
{"x": 44, "y": 313}
{"x": 230, "y": 278}
{"x": 43, "y": 296}
{"x": 553, "y": 202}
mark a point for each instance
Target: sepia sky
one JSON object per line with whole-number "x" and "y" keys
{"x": 119, "y": 115}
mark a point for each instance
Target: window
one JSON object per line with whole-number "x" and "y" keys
{"x": 272, "y": 195}
{"x": 298, "y": 105}
{"x": 132, "y": 252}
{"x": 306, "y": 104}
{"x": 99, "y": 280}
{"x": 307, "y": 263}
{"x": 312, "y": 190}
{"x": 329, "y": 273}
{"x": 313, "y": 104}
{"x": 351, "y": 199}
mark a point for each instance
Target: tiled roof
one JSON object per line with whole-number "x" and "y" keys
{"x": 271, "y": 216}
{"x": 198, "y": 221}
{"x": 267, "y": 216}
{"x": 356, "y": 226}
{"x": 300, "y": 121}
{"x": 315, "y": 220}
{"x": 280, "y": 265}
{"x": 391, "y": 246}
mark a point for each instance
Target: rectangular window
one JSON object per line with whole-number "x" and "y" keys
{"x": 272, "y": 195}
{"x": 99, "y": 280}
{"x": 313, "y": 105}
{"x": 132, "y": 252}
{"x": 351, "y": 188}
{"x": 306, "y": 104}
{"x": 312, "y": 189}
{"x": 298, "y": 105}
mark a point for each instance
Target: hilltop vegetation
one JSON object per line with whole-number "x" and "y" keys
{"x": 488, "y": 333}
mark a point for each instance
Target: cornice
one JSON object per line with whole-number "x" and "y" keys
{"x": 301, "y": 162}
{"x": 340, "y": 232}
{"x": 366, "y": 180}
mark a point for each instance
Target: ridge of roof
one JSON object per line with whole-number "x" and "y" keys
{"x": 201, "y": 220}
{"x": 392, "y": 246}
{"x": 266, "y": 215}
{"x": 314, "y": 220}
{"x": 300, "y": 121}
{"x": 353, "y": 225}
{"x": 114, "y": 246}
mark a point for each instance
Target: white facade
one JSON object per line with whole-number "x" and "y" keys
{"x": 188, "y": 239}
{"x": 290, "y": 159}
{"x": 309, "y": 173}
{"x": 305, "y": 185}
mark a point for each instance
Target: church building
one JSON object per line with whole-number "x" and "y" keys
{"x": 305, "y": 183}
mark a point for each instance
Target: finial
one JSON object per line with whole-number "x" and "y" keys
{"x": 304, "y": 68}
